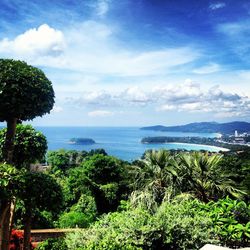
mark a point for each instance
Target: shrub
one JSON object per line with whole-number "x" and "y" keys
{"x": 183, "y": 226}
{"x": 75, "y": 219}
{"x": 53, "y": 244}
{"x": 231, "y": 220}
{"x": 173, "y": 226}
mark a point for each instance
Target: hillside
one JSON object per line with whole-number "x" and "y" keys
{"x": 205, "y": 127}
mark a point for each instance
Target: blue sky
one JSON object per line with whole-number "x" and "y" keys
{"x": 134, "y": 63}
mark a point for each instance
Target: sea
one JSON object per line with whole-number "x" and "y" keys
{"x": 122, "y": 142}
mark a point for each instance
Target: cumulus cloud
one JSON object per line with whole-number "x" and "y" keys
{"x": 187, "y": 97}
{"x": 99, "y": 98}
{"x": 213, "y": 100}
{"x": 134, "y": 95}
{"x": 216, "y": 6}
{"x": 43, "y": 41}
{"x": 92, "y": 47}
{"x": 100, "y": 113}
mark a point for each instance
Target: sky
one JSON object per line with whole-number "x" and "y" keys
{"x": 135, "y": 63}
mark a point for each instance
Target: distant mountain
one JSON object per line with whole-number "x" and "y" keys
{"x": 205, "y": 127}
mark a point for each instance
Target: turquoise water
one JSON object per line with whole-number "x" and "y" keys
{"x": 122, "y": 142}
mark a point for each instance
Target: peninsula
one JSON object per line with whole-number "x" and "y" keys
{"x": 205, "y": 127}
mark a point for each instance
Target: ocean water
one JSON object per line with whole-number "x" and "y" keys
{"x": 122, "y": 142}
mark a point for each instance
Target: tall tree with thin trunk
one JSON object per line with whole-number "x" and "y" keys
{"x": 25, "y": 93}
{"x": 30, "y": 146}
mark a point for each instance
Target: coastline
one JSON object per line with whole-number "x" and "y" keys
{"x": 194, "y": 144}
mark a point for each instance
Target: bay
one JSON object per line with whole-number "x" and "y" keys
{"x": 122, "y": 142}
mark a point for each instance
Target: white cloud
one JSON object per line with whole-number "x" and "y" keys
{"x": 218, "y": 5}
{"x": 134, "y": 95}
{"x": 166, "y": 107}
{"x": 92, "y": 47}
{"x": 100, "y": 113}
{"x": 43, "y": 41}
{"x": 188, "y": 97}
{"x": 208, "y": 69}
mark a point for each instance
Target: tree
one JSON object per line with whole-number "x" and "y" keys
{"x": 30, "y": 146}
{"x": 100, "y": 176}
{"x": 201, "y": 175}
{"x": 64, "y": 159}
{"x": 25, "y": 92}
{"x": 154, "y": 175}
{"x": 38, "y": 191}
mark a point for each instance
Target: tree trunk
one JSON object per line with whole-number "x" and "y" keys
{"x": 9, "y": 140}
{"x": 4, "y": 227}
{"x": 27, "y": 227}
{"x": 6, "y": 206}
{"x": 12, "y": 211}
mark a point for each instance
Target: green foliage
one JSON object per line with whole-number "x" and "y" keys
{"x": 75, "y": 219}
{"x": 64, "y": 159}
{"x": 41, "y": 191}
{"x": 25, "y": 91}
{"x": 10, "y": 178}
{"x": 238, "y": 166}
{"x": 29, "y": 145}
{"x": 41, "y": 219}
{"x": 202, "y": 175}
{"x": 155, "y": 174}
{"x": 99, "y": 176}
{"x": 98, "y": 151}
{"x": 86, "y": 204}
{"x": 7, "y": 173}
{"x": 104, "y": 175}
{"x": 231, "y": 220}
{"x": 81, "y": 215}
{"x": 102, "y": 169}
{"x": 183, "y": 226}
{"x": 53, "y": 244}
{"x": 174, "y": 226}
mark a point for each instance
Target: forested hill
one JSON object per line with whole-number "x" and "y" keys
{"x": 205, "y": 127}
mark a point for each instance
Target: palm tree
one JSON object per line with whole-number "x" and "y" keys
{"x": 155, "y": 176}
{"x": 202, "y": 175}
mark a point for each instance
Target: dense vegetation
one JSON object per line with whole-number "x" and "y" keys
{"x": 165, "y": 200}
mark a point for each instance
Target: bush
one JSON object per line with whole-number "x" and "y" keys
{"x": 231, "y": 220}
{"x": 75, "y": 219}
{"x": 53, "y": 244}
{"x": 173, "y": 226}
{"x": 183, "y": 226}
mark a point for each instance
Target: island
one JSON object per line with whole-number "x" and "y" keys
{"x": 205, "y": 127}
{"x": 82, "y": 141}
